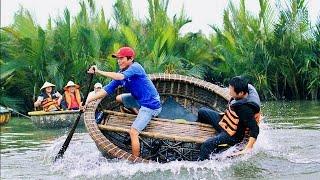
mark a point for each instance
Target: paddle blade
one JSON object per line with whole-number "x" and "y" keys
{"x": 67, "y": 141}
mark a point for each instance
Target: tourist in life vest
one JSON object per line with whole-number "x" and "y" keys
{"x": 48, "y": 99}
{"x": 97, "y": 87}
{"x": 142, "y": 95}
{"x": 71, "y": 97}
{"x": 240, "y": 119}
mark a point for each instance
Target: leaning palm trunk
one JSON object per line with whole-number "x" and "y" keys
{"x": 163, "y": 140}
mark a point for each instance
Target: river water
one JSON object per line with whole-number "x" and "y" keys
{"x": 288, "y": 147}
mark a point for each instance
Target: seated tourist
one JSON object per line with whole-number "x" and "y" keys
{"x": 71, "y": 97}
{"x": 240, "y": 120}
{"x": 97, "y": 88}
{"x": 49, "y": 99}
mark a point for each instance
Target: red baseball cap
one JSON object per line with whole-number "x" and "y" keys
{"x": 124, "y": 52}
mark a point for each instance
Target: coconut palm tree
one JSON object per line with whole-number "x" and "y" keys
{"x": 291, "y": 48}
{"x": 242, "y": 44}
{"x": 279, "y": 54}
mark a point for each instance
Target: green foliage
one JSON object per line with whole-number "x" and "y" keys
{"x": 277, "y": 56}
{"x": 281, "y": 55}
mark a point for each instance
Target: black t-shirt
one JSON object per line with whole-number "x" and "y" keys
{"x": 246, "y": 114}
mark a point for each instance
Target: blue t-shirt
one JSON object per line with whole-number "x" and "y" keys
{"x": 139, "y": 85}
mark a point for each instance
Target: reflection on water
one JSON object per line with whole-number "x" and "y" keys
{"x": 21, "y": 134}
{"x": 300, "y": 114}
{"x": 287, "y": 148}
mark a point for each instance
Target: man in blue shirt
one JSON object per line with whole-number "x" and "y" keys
{"x": 142, "y": 93}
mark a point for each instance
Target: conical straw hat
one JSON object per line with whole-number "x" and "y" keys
{"x": 71, "y": 83}
{"x": 47, "y": 84}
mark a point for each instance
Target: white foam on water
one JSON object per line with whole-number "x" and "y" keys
{"x": 295, "y": 118}
{"x": 263, "y": 142}
{"x": 82, "y": 159}
{"x": 297, "y": 146}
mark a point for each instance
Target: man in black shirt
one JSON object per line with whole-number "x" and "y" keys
{"x": 241, "y": 115}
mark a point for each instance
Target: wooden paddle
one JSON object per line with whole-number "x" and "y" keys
{"x": 67, "y": 141}
{"x": 15, "y": 111}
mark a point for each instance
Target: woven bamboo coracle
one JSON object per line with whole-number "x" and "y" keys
{"x": 163, "y": 140}
{"x": 54, "y": 119}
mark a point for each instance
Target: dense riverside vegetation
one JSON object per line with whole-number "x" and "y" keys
{"x": 278, "y": 52}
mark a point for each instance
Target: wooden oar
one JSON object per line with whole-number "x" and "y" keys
{"x": 67, "y": 141}
{"x": 15, "y": 111}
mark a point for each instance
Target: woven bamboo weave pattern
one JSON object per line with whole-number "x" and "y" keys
{"x": 160, "y": 128}
{"x": 102, "y": 142}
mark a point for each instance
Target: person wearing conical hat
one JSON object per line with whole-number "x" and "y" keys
{"x": 72, "y": 96}
{"x": 49, "y": 99}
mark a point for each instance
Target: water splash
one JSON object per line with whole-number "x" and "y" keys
{"x": 82, "y": 159}
{"x": 287, "y": 148}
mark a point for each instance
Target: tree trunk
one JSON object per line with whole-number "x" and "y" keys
{"x": 296, "y": 91}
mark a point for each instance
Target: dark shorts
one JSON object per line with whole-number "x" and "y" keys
{"x": 222, "y": 138}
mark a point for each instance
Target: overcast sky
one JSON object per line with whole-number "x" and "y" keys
{"x": 202, "y": 12}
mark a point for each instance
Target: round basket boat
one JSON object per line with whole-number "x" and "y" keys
{"x": 164, "y": 139}
{"x": 54, "y": 119}
{"x": 5, "y": 115}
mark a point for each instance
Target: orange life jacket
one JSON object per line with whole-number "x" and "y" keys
{"x": 68, "y": 97}
{"x": 49, "y": 104}
{"x": 229, "y": 121}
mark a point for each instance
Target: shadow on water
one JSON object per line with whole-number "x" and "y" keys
{"x": 287, "y": 148}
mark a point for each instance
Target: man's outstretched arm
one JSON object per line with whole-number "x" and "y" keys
{"x": 112, "y": 75}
